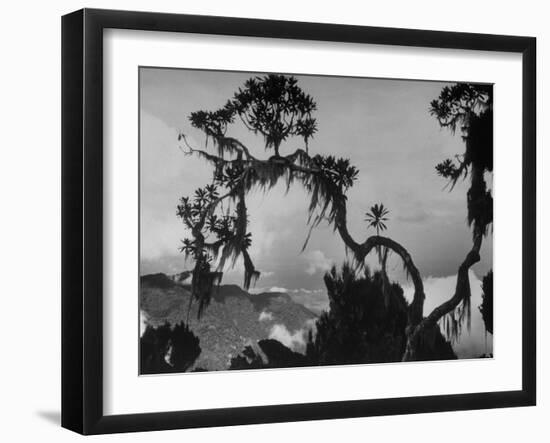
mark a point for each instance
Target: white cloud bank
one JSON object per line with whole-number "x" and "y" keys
{"x": 295, "y": 341}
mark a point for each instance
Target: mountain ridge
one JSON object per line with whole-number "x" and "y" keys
{"x": 235, "y": 318}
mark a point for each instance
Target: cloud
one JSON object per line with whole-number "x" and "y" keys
{"x": 311, "y": 325}
{"x": 265, "y": 316}
{"x": 277, "y": 289}
{"x": 165, "y": 175}
{"x": 263, "y": 238}
{"x": 295, "y": 341}
{"x": 439, "y": 289}
{"x": 142, "y": 322}
{"x": 306, "y": 291}
{"x": 317, "y": 262}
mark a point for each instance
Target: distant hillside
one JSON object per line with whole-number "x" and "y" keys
{"x": 235, "y": 319}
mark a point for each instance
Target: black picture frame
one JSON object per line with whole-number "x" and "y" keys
{"x": 82, "y": 218}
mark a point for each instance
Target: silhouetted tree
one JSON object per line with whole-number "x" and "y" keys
{"x": 274, "y": 107}
{"x": 469, "y": 108}
{"x": 154, "y": 345}
{"x": 166, "y": 349}
{"x": 185, "y": 348}
{"x": 486, "y": 307}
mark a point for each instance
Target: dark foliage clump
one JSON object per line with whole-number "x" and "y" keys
{"x": 279, "y": 356}
{"x": 367, "y": 323}
{"x": 272, "y": 106}
{"x": 433, "y": 346}
{"x": 469, "y": 108}
{"x": 486, "y": 307}
{"x": 165, "y": 349}
{"x": 359, "y": 327}
{"x": 276, "y": 355}
{"x": 249, "y": 359}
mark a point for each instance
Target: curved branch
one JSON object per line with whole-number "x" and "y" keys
{"x": 417, "y": 305}
{"x": 236, "y": 144}
{"x": 250, "y": 160}
{"x": 360, "y": 252}
{"x": 462, "y": 290}
{"x": 210, "y": 157}
{"x": 239, "y": 146}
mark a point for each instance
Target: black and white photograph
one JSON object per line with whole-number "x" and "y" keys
{"x": 290, "y": 220}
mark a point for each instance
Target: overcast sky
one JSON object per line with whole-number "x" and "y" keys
{"x": 383, "y": 126}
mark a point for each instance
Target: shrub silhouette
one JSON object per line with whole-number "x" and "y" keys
{"x": 276, "y": 355}
{"x": 165, "y": 349}
{"x": 486, "y": 307}
{"x": 249, "y": 359}
{"x": 360, "y": 327}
